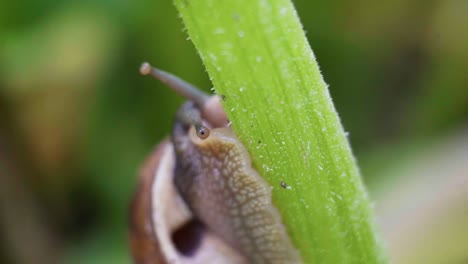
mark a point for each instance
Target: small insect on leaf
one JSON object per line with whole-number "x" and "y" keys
{"x": 284, "y": 185}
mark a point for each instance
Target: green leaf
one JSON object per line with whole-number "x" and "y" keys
{"x": 258, "y": 58}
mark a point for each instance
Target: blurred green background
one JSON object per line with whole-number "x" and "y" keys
{"x": 77, "y": 119}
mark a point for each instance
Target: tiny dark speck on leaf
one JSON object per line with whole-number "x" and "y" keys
{"x": 223, "y": 97}
{"x": 284, "y": 185}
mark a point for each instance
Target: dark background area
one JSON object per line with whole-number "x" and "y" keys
{"x": 77, "y": 119}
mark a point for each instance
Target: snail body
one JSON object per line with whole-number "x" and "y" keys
{"x": 213, "y": 177}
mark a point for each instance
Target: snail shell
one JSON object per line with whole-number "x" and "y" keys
{"x": 162, "y": 229}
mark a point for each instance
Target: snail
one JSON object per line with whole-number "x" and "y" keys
{"x": 199, "y": 199}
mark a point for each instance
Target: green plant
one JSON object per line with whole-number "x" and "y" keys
{"x": 259, "y": 60}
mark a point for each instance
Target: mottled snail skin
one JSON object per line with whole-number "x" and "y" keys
{"x": 215, "y": 177}
{"x": 205, "y": 174}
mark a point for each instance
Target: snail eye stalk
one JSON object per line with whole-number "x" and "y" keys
{"x": 187, "y": 90}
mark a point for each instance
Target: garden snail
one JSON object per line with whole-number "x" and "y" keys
{"x": 199, "y": 199}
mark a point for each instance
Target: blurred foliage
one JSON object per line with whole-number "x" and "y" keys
{"x": 76, "y": 119}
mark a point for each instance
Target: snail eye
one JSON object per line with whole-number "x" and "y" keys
{"x": 203, "y": 132}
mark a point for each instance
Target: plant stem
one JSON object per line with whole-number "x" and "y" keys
{"x": 258, "y": 58}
